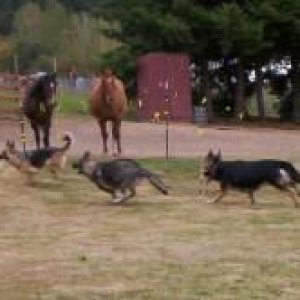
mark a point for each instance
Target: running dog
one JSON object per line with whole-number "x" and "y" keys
{"x": 248, "y": 176}
{"x": 30, "y": 162}
{"x": 118, "y": 177}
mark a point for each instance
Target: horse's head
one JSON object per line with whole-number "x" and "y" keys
{"x": 49, "y": 84}
{"x": 43, "y": 90}
{"x": 108, "y": 86}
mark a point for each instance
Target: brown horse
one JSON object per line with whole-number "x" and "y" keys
{"x": 108, "y": 102}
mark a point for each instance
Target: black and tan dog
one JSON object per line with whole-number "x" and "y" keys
{"x": 30, "y": 162}
{"x": 248, "y": 176}
{"x": 118, "y": 177}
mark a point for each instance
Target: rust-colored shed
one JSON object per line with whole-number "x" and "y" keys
{"x": 164, "y": 85}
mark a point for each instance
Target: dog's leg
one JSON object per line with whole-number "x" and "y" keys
{"x": 203, "y": 185}
{"x": 30, "y": 178}
{"x": 54, "y": 172}
{"x": 118, "y": 197}
{"x": 296, "y": 189}
{"x": 293, "y": 194}
{"x": 131, "y": 194}
{"x": 252, "y": 198}
{"x": 223, "y": 192}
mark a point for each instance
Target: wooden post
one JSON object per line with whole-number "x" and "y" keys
{"x": 16, "y": 64}
{"x": 166, "y": 116}
{"x": 167, "y": 134}
{"x": 55, "y": 65}
{"x": 56, "y": 99}
{"x": 21, "y": 95}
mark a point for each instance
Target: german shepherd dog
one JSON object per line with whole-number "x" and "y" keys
{"x": 30, "y": 162}
{"x": 118, "y": 177}
{"x": 248, "y": 176}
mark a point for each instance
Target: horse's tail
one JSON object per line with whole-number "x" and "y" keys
{"x": 69, "y": 139}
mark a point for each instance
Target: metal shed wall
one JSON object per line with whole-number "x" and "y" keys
{"x": 164, "y": 84}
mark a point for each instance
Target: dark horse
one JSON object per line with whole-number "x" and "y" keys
{"x": 38, "y": 105}
{"x": 108, "y": 102}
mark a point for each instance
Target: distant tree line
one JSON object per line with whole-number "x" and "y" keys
{"x": 38, "y": 31}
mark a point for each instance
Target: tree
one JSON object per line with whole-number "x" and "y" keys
{"x": 74, "y": 39}
{"x": 8, "y": 8}
{"x": 282, "y": 28}
{"x": 241, "y": 38}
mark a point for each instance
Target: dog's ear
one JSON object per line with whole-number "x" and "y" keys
{"x": 86, "y": 155}
{"x": 210, "y": 154}
{"x": 219, "y": 155}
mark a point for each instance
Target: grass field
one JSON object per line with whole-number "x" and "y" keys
{"x": 72, "y": 102}
{"x": 76, "y": 103}
{"x": 62, "y": 239}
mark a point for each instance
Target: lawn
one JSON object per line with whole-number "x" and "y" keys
{"x": 72, "y": 103}
{"x": 76, "y": 103}
{"x": 62, "y": 239}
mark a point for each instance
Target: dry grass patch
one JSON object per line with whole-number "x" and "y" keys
{"x": 63, "y": 240}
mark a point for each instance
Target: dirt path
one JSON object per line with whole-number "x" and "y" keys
{"x": 146, "y": 139}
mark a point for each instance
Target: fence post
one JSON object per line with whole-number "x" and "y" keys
{"x": 166, "y": 116}
{"x": 21, "y": 94}
{"x": 55, "y": 65}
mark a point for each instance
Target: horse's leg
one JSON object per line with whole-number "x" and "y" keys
{"x": 36, "y": 130}
{"x": 116, "y": 126}
{"x": 46, "y": 129}
{"x": 104, "y": 134}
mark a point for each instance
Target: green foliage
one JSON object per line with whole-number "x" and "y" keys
{"x": 124, "y": 63}
{"x": 7, "y": 11}
{"x": 70, "y": 103}
{"x": 42, "y": 33}
{"x": 282, "y": 24}
{"x": 240, "y": 35}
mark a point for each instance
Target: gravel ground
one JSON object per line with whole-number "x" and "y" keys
{"x": 186, "y": 140}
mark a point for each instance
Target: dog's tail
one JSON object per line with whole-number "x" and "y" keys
{"x": 155, "y": 181}
{"x": 69, "y": 139}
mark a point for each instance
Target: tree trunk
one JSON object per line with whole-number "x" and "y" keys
{"x": 229, "y": 85}
{"x": 295, "y": 81}
{"x": 207, "y": 90}
{"x": 259, "y": 91}
{"x": 239, "y": 94}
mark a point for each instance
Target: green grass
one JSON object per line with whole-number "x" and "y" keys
{"x": 73, "y": 102}
{"x": 62, "y": 239}
{"x": 76, "y": 103}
